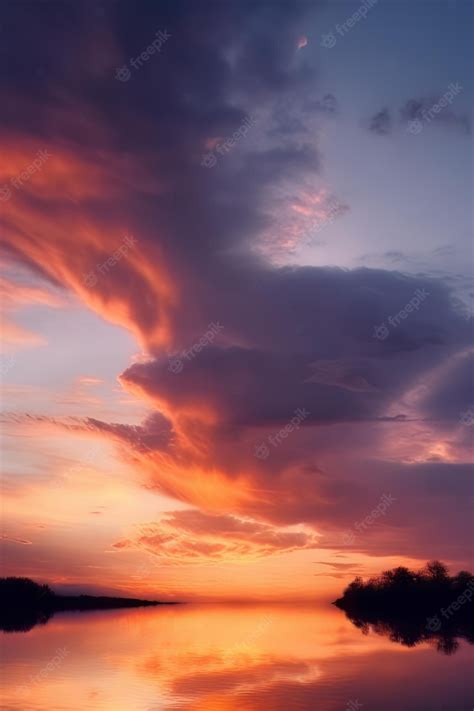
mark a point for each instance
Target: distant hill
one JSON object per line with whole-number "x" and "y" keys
{"x": 24, "y": 603}
{"x": 414, "y": 606}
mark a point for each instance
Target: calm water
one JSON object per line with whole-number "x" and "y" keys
{"x": 226, "y": 658}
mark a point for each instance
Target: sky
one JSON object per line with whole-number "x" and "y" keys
{"x": 236, "y": 294}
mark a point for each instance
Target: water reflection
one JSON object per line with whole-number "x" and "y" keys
{"x": 22, "y": 620}
{"x": 225, "y": 658}
{"x": 444, "y": 635}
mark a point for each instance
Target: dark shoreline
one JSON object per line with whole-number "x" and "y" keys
{"x": 25, "y": 604}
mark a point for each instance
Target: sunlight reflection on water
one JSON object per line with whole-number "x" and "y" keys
{"x": 225, "y": 658}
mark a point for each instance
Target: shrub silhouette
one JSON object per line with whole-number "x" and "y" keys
{"x": 414, "y": 606}
{"x": 23, "y": 592}
{"x": 24, "y": 603}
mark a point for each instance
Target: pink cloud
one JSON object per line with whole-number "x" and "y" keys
{"x": 193, "y": 536}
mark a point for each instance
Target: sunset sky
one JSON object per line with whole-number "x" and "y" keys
{"x": 211, "y": 240}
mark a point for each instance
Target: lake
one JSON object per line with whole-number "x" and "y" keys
{"x": 226, "y": 658}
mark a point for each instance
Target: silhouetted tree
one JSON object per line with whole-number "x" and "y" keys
{"x": 437, "y": 571}
{"x": 24, "y": 603}
{"x": 413, "y": 606}
{"x": 23, "y": 592}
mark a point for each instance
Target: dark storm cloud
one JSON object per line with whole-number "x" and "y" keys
{"x": 437, "y": 109}
{"x": 314, "y": 344}
{"x": 328, "y": 104}
{"x": 154, "y": 434}
{"x": 222, "y": 62}
{"x": 423, "y": 494}
{"x": 295, "y": 114}
{"x": 452, "y": 393}
{"x": 381, "y": 123}
{"x": 417, "y": 113}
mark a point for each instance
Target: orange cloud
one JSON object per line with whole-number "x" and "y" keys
{"x": 13, "y": 296}
{"x": 193, "y": 537}
{"x": 12, "y": 539}
{"x": 14, "y": 335}
{"x": 59, "y": 219}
